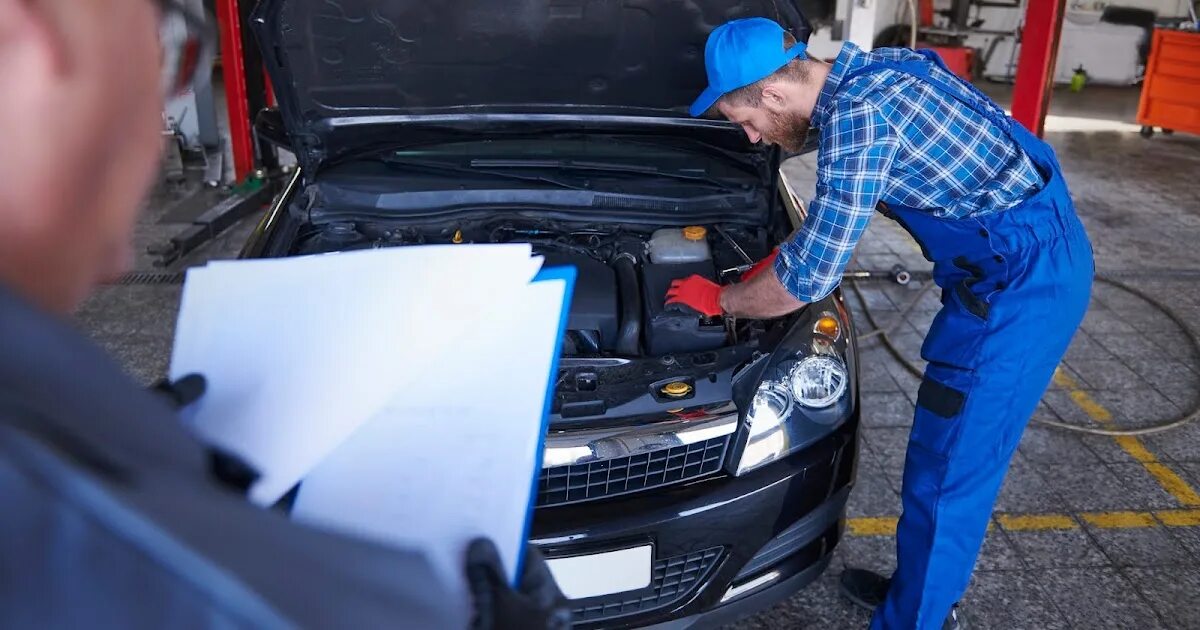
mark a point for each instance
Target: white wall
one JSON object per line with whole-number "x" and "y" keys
{"x": 891, "y": 12}
{"x": 869, "y": 17}
{"x": 1164, "y": 8}
{"x": 1079, "y": 13}
{"x": 821, "y": 43}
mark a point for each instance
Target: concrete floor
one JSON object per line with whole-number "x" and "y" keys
{"x": 1089, "y": 532}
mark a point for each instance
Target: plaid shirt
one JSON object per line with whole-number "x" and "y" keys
{"x": 888, "y": 136}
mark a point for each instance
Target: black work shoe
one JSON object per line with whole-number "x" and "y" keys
{"x": 865, "y": 588}
{"x": 868, "y": 590}
{"x": 954, "y": 621}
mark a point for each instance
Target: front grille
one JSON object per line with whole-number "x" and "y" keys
{"x": 610, "y": 477}
{"x": 674, "y": 579}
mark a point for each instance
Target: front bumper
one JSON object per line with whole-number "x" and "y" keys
{"x": 723, "y": 547}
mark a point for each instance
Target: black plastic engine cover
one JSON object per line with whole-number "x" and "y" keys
{"x": 594, "y": 304}
{"x": 676, "y": 329}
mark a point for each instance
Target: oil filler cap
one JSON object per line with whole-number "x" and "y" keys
{"x": 678, "y": 389}
{"x": 694, "y": 232}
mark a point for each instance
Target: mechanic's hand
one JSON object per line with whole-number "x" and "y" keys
{"x": 226, "y": 468}
{"x": 758, "y": 267}
{"x": 697, "y": 293}
{"x": 537, "y": 604}
{"x": 182, "y": 392}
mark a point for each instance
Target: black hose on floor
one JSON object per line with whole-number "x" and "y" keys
{"x": 883, "y": 334}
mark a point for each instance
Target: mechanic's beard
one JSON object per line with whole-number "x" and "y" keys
{"x": 790, "y": 131}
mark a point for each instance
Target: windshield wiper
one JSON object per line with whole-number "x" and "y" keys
{"x": 694, "y": 176}
{"x": 447, "y": 167}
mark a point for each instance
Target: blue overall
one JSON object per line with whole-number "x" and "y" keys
{"x": 1015, "y": 286}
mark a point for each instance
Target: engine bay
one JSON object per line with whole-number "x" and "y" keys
{"x": 623, "y": 273}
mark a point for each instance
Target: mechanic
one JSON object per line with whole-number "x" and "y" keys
{"x": 114, "y": 516}
{"x": 986, "y": 201}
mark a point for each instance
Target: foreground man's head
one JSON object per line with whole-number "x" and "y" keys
{"x": 80, "y": 119}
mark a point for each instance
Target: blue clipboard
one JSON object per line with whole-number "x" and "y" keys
{"x": 567, "y": 275}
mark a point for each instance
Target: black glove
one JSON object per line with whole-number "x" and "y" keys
{"x": 226, "y": 468}
{"x": 182, "y": 392}
{"x": 536, "y": 605}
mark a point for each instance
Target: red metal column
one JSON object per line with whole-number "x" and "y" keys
{"x": 1035, "y": 66}
{"x": 232, "y": 68}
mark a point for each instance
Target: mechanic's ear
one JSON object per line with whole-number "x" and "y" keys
{"x": 774, "y": 98}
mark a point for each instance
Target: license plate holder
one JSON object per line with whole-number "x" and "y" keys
{"x": 604, "y": 573}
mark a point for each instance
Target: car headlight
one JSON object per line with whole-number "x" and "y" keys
{"x": 819, "y": 381}
{"x": 772, "y": 405}
{"x": 803, "y": 390}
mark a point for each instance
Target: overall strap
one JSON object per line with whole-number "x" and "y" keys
{"x": 920, "y": 70}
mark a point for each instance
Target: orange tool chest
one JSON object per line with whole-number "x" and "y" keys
{"x": 1171, "y": 90}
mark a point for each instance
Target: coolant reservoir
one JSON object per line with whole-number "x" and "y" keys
{"x": 674, "y": 245}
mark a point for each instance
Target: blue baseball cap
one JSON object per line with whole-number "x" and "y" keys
{"x": 739, "y": 53}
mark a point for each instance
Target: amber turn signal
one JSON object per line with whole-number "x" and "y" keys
{"x": 828, "y": 326}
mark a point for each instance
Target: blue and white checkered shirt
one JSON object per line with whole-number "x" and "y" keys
{"x": 888, "y": 136}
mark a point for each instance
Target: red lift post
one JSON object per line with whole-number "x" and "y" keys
{"x": 247, "y": 90}
{"x": 230, "y": 23}
{"x": 1035, "y": 66}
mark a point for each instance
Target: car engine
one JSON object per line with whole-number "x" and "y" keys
{"x": 623, "y": 273}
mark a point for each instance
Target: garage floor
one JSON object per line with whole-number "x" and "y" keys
{"x": 1089, "y": 532}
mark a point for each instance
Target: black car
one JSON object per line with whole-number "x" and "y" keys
{"x": 696, "y": 468}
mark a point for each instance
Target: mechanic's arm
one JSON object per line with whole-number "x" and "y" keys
{"x": 861, "y": 147}
{"x": 761, "y": 297}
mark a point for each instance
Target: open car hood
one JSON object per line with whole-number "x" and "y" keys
{"x": 352, "y": 73}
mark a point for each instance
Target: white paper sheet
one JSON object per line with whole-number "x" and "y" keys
{"x": 451, "y": 456}
{"x": 300, "y": 352}
{"x": 405, "y": 387}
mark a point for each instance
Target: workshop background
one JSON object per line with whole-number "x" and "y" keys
{"x": 1090, "y": 531}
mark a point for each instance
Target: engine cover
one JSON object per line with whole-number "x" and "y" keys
{"x": 594, "y": 303}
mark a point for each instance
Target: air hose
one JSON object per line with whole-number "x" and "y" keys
{"x": 883, "y": 334}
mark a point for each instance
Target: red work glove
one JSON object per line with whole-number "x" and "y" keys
{"x": 697, "y": 293}
{"x": 758, "y": 267}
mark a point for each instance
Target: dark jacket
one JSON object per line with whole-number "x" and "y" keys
{"x": 111, "y": 517}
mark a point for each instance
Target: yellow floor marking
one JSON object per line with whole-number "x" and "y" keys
{"x": 1136, "y": 449}
{"x": 1036, "y": 522}
{"x": 886, "y": 525}
{"x": 1167, "y": 478}
{"x": 872, "y": 526}
{"x": 1179, "y": 518}
{"x": 1174, "y": 484}
{"x": 1119, "y": 520}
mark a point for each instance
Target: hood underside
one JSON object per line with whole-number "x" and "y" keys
{"x": 340, "y": 63}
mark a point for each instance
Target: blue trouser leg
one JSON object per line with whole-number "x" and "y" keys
{"x": 983, "y": 382}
